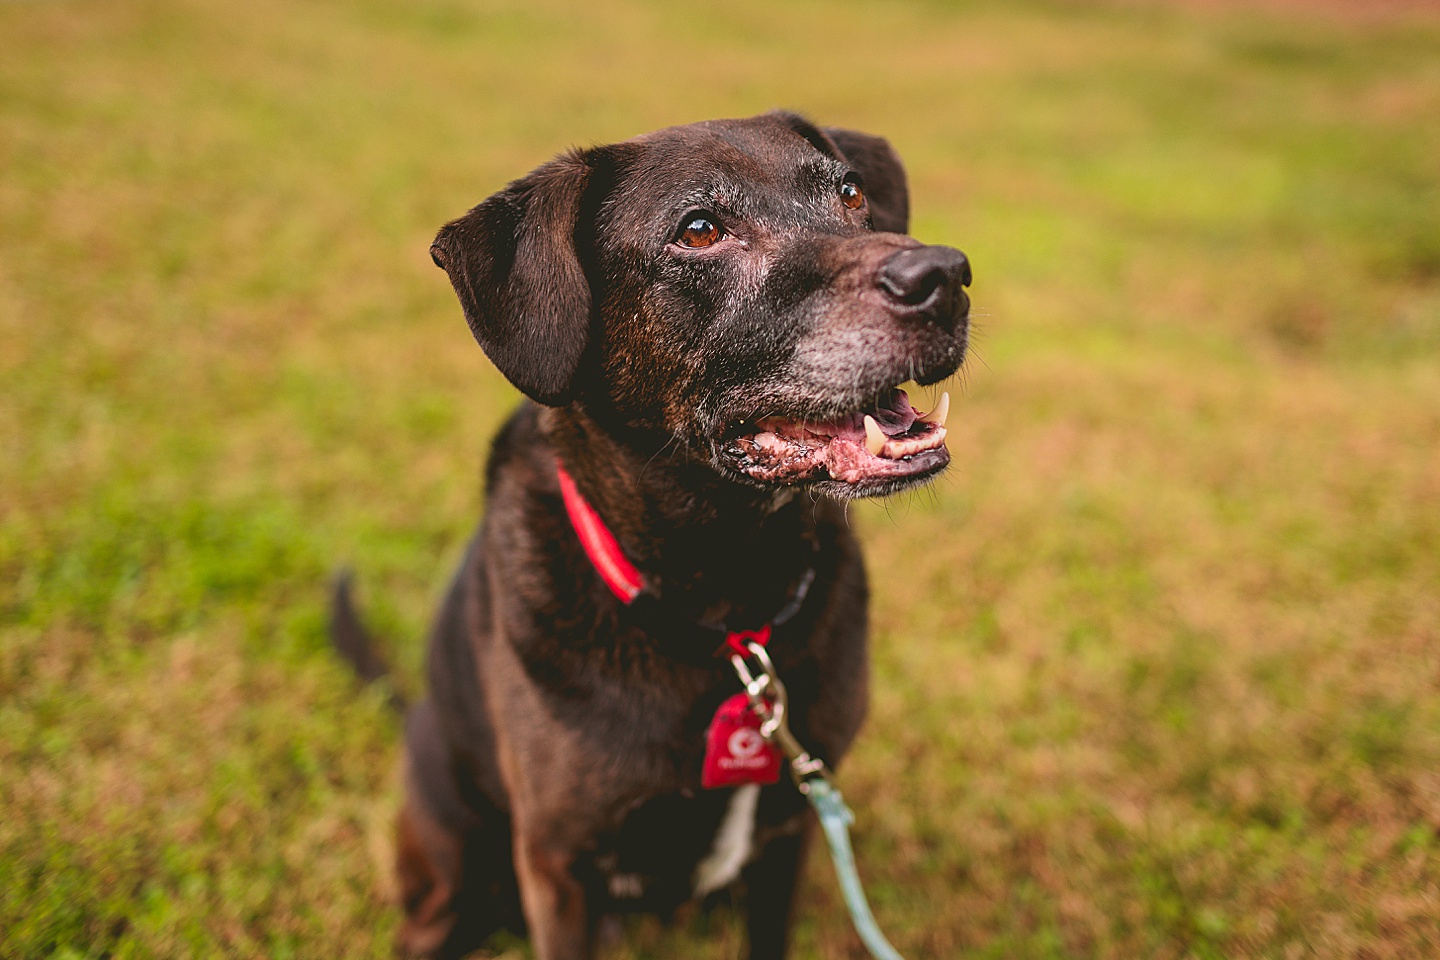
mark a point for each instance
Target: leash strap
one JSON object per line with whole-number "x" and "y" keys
{"x": 770, "y": 702}
{"x": 835, "y": 820}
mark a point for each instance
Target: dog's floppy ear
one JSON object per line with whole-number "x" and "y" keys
{"x": 513, "y": 263}
{"x": 886, "y": 188}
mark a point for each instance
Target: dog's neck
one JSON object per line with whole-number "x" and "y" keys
{"x": 702, "y": 539}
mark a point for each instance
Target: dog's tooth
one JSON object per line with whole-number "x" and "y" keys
{"x": 874, "y": 436}
{"x": 941, "y": 411}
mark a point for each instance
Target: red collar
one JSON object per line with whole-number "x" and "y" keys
{"x": 600, "y": 544}
{"x": 627, "y": 583}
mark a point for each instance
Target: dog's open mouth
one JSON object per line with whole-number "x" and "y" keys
{"x": 891, "y": 441}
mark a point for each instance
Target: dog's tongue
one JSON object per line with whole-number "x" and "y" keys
{"x": 893, "y": 414}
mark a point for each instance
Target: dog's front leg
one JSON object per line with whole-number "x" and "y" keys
{"x": 770, "y": 882}
{"x": 553, "y": 900}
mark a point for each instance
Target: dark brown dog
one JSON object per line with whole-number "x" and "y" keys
{"x": 704, "y": 317}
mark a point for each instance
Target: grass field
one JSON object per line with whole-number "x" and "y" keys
{"x": 1158, "y": 661}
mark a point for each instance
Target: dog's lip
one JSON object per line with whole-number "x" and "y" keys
{"x": 885, "y": 442}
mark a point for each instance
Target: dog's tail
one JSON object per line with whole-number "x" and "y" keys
{"x": 352, "y": 641}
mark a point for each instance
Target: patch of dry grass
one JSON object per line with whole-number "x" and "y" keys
{"x": 1156, "y": 661}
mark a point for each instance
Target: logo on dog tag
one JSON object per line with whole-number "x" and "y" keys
{"x": 735, "y": 750}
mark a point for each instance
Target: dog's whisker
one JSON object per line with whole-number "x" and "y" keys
{"x": 674, "y": 437}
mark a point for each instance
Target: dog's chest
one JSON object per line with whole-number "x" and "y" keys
{"x": 675, "y": 847}
{"x": 733, "y": 842}
{"x": 643, "y": 733}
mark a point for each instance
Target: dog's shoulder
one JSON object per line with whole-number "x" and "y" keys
{"x": 519, "y": 448}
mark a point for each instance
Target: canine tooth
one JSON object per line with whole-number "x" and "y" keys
{"x": 941, "y": 411}
{"x": 874, "y": 436}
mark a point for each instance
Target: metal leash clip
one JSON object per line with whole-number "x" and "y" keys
{"x": 770, "y": 702}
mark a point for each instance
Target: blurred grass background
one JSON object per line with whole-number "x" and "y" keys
{"x": 1157, "y": 661}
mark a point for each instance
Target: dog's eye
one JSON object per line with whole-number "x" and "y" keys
{"x": 851, "y": 195}
{"x": 700, "y": 231}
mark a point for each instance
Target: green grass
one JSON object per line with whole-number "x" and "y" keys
{"x": 1157, "y": 661}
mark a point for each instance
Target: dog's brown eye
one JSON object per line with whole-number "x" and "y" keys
{"x": 851, "y": 195}
{"x": 700, "y": 232}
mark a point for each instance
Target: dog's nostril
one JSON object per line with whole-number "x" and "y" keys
{"x": 911, "y": 287}
{"x": 913, "y": 276}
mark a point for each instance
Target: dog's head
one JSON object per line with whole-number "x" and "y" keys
{"x": 743, "y": 287}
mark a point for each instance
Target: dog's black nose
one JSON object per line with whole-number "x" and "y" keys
{"x": 912, "y": 277}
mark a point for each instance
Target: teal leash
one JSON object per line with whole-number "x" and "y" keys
{"x": 835, "y": 820}
{"x": 769, "y": 700}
